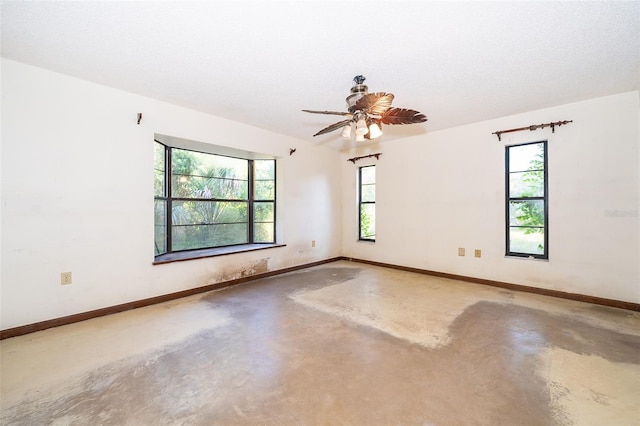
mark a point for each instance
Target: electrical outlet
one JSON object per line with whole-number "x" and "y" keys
{"x": 461, "y": 251}
{"x": 313, "y": 243}
{"x": 65, "y": 278}
{"x": 478, "y": 253}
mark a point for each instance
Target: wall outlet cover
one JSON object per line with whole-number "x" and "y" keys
{"x": 65, "y": 278}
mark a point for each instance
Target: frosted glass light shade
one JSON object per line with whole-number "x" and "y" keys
{"x": 374, "y": 131}
{"x": 361, "y": 127}
{"x": 359, "y": 138}
{"x": 346, "y": 131}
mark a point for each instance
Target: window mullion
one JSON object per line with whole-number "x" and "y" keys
{"x": 168, "y": 197}
{"x": 251, "y": 201}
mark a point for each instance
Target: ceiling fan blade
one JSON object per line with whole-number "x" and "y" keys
{"x": 374, "y": 103}
{"x": 334, "y": 126}
{"x": 329, "y": 112}
{"x": 402, "y": 116}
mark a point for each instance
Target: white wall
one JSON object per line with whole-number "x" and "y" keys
{"x": 77, "y": 195}
{"x": 77, "y": 183}
{"x": 445, "y": 189}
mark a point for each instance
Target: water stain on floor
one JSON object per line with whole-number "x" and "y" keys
{"x": 281, "y": 356}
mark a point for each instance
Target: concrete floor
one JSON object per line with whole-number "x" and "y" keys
{"x": 338, "y": 344}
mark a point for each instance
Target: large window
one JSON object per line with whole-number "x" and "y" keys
{"x": 205, "y": 201}
{"x": 367, "y": 203}
{"x": 527, "y": 205}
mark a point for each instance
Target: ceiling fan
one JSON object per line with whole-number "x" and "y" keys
{"x": 367, "y": 112}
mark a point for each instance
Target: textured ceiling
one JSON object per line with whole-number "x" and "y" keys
{"x": 261, "y": 62}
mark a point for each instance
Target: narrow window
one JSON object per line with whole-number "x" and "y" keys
{"x": 526, "y": 200}
{"x": 205, "y": 200}
{"x": 264, "y": 201}
{"x": 160, "y": 197}
{"x": 367, "y": 203}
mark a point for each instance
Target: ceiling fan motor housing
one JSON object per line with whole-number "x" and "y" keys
{"x": 357, "y": 91}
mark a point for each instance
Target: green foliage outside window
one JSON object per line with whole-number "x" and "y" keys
{"x": 367, "y": 222}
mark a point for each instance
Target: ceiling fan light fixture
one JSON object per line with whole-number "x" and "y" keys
{"x": 361, "y": 127}
{"x": 359, "y": 138}
{"x": 374, "y": 131}
{"x": 346, "y": 131}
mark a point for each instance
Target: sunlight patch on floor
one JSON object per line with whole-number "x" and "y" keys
{"x": 421, "y": 308}
{"x": 420, "y": 311}
{"x": 43, "y": 359}
{"x": 590, "y": 390}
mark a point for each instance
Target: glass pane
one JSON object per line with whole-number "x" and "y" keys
{"x": 185, "y": 162}
{"x": 526, "y": 184}
{"x": 526, "y": 213}
{"x": 231, "y": 212}
{"x": 158, "y": 156}
{"x": 526, "y": 157}
{"x": 368, "y": 192}
{"x": 367, "y": 221}
{"x": 199, "y": 175}
{"x": 263, "y": 232}
{"x": 181, "y": 187}
{"x": 263, "y": 212}
{"x": 264, "y": 169}
{"x": 208, "y": 212}
{"x": 209, "y": 187}
{"x": 187, "y": 237}
{"x": 160, "y": 224}
{"x": 158, "y": 168}
{"x": 367, "y": 175}
{"x": 265, "y": 190}
{"x": 158, "y": 183}
{"x": 526, "y": 240}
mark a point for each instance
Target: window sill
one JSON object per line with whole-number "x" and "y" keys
{"x": 539, "y": 259}
{"x": 366, "y": 241}
{"x": 212, "y": 252}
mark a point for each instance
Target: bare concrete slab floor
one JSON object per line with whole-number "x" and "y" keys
{"x": 338, "y": 344}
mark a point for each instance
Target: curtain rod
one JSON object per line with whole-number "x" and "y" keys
{"x": 354, "y": 159}
{"x": 533, "y": 127}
